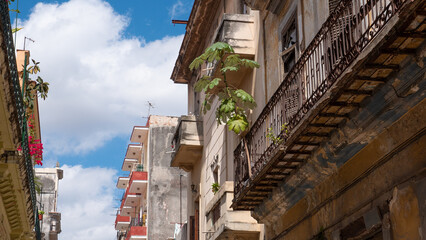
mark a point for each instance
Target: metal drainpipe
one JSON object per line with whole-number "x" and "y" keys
{"x": 180, "y": 198}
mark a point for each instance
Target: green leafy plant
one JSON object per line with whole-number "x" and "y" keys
{"x": 35, "y": 88}
{"x": 233, "y": 102}
{"x": 40, "y": 212}
{"x": 277, "y": 139}
{"x": 215, "y": 187}
{"x": 31, "y": 90}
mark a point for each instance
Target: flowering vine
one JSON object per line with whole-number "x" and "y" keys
{"x": 35, "y": 145}
{"x": 33, "y": 89}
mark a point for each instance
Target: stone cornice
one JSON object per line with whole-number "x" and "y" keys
{"x": 197, "y": 28}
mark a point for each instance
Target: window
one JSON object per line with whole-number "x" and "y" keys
{"x": 289, "y": 45}
{"x": 244, "y": 7}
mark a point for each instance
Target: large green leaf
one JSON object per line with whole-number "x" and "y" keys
{"x": 196, "y": 63}
{"x": 227, "y": 106}
{"x": 201, "y": 83}
{"x": 249, "y": 63}
{"x": 220, "y": 46}
{"x": 213, "y": 83}
{"x": 232, "y": 60}
{"x": 244, "y": 96}
{"x": 237, "y": 124}
{"x": 229, "y": 68}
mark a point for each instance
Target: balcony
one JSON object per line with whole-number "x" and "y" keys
{"x": 355, "y": 51}
{"x": 226, "y": 223}
{"x": 128, "y": 211}
{"x": 138, "y": 183}
{"x": 137, "y": 233}
{"x": 238, "y": 31}
{"x": 187, "y": 143}
{"x": 122, "y": 222}
{"x": 128, "y": 164}
{"x": 134, "y": 151}
{"x": 122, "y": 182}
{"x": 139, "y": 135}
{"x": 132, "y": 199}
{"x": 21, "y": 207}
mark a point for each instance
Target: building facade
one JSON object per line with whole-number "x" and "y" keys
{"x": 335, "y": 148}
{"x": 17, "y": 190}
{"x": 154, "y": 201}
{"x": 47, "y": 197}
{"x": 204, "y": 148}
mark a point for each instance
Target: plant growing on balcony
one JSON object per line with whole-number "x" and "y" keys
{"x": 234, "y": 103}
{"x": 215, "y": 187}
{"x": 35, "y": 88}
{"x": 31, "y": 90}
{"x": 40, "y": 214}
{"x": 277, "y": 139}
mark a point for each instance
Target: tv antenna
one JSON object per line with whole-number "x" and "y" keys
{"x": 29, "y": 39}
{"x": 150, "y": 105}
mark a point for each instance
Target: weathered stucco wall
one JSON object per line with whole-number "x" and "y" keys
{"x": 166, "y": 185}
{"x": 47, "y": 201}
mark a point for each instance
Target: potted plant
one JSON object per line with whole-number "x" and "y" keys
{"x": 215, "y": 187}
{"x": 40, "y": 214}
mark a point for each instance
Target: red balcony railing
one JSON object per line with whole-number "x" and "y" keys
{"x": 345, "y": 34}
{"x": 138, "y": 176}
{"x": 122, "y": 222}
{"x": 136, "y": 232}
{"x": 138, "y": 182}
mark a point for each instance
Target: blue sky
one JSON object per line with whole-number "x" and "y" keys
{"x": 150, "y": 19}
{"x": 147, "y": 21}
{"x": 104, "y": 61}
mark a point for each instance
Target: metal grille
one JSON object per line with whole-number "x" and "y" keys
{"x": 320, "y": 65}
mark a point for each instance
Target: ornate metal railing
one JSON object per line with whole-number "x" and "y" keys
{"x": 21, "y": 109}
{"x": 347, "y": 31}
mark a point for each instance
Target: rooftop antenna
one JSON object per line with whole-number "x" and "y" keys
{"x": 150, "y": 105}
{"x": 29, "y": 39}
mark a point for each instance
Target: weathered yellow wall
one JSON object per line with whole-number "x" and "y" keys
{"x": 377, "y": 174}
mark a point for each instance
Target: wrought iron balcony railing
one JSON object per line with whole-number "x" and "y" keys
{"x": 345, "y": 34}
{"x": 19, "y": 103}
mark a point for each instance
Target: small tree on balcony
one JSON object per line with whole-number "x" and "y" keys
{"x": 234, "y": 103}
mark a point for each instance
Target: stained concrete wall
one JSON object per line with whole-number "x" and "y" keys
{"x": 167, "y": 186}
{"x": 47, "y": 201}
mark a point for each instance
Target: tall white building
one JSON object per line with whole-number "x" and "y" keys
{"x": 47, "y": 197}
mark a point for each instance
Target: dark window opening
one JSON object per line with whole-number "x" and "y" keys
{"x": 289, "y": 45}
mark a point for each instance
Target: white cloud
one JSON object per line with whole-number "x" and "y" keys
{"x": 177, "y": 9}
{"x": 86, "y": 202}
{"x": 100, "y": 81}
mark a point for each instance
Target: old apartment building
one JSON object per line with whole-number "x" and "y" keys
{"x": 18, "y": 210}
{"x": 153, "y": 201}
{"x": 335, "y": 147}
{"x": 47, "y": 201}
